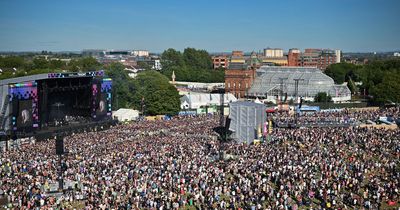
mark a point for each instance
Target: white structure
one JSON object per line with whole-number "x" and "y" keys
{"x": 140, "y": 53}
{"x": 246, "y": 118}
{"x": 173, "y": 77}
{"x": 197, "y": 100}
{"x": 273, "y": 53}
{"x": 132, "y": 72}
{"x": 294, "y": 50}
{"x": 396, "y": 54}
{"x": 199, "y": 85}
{"x": 125, "y": 114}
{"x": 157, "y": 65}
{"x": 338, "y": 54}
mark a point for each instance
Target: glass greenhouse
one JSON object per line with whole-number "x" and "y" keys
{"x": 271, "y": 79}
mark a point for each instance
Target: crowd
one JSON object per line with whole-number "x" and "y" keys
{"x": 338, "y": 116}
{"x": 177, "y": 164}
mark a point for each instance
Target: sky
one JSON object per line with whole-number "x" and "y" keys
{"x": 213, "y": 25}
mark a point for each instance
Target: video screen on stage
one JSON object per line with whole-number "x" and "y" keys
{"x": 24, "y": 118}
{"x": 101, "y": 110}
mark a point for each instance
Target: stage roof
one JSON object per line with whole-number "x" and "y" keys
{"x": 24, "y": 79}
{"x": 51, "y": 76}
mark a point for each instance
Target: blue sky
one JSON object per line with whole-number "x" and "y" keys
{"x": 214, "y": 25}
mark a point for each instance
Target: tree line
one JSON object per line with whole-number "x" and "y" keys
{"x": 149, "y": 92}
{"x": 379, "y": 79}
{"x": 17, "y": 66}
{"x": 192, "y": 65}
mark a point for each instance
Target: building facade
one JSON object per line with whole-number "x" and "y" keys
{"x": 237, "y": 57}
{"x": 294, "y": 57}
{"x": 238, "y": 79}
{"x": 338, "y": 54}
{"x": 273, "y": 53}
{"x": 274, "y": 57}
{"x": 237, "y": 53}
{"x": 220, "y": 61}
{"x": 282, "y": 61}
{"x": 140, "y": 53}
{"x": 320, "y": 58}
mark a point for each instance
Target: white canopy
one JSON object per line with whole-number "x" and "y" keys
{"x": 126, "y": 114}
{"x": 197, "y": 100}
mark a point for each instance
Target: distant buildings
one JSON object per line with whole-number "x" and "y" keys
{"x": 220, "y": 61}
{"x": 274, "y": 56}
{"x": 93, "y": 53}
{"x": 273, "y": 53}
{"x": 338, "y": 54}
{"x": 278, "y": 61}
{"x": 237, "y": 58}
{"x": 294, "y": 57}
{"x": 396, "y": 54}
{"x": 131, "y": 59}
{"x": 237, "y": 53}
{"x": 140, "y": 53}
{"x": 320, "y": 58}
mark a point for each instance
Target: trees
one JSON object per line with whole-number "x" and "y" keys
{"x": 171, "y": 57}
{"x": 144, "y": 65}
{"x": 40, "y": 63}
{"x": 84, "y": 64}
{"x": 12, "y": 62}
{"x": 57, "y": 64}
{"x": 388, "y": 90}
{"x": 344, "y": 72}
{"x": 34, "y": 64}
{"x": 192, "y": 66}
{"x": 197, "y": 59}
{"x": 322, "y": 97}
{"x": 159, "y": 96}
{"x": 380, "y": 78}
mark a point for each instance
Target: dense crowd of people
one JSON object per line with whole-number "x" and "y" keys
{"x": 180, "y": 163}
{"x": 336, "y": 116}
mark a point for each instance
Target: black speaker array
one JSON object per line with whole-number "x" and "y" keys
{"x": 59, "y": 145}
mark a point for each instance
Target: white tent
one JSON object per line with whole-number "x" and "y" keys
{"x": 257, "y": 101}
{"x": 196, "y": 100}
{"x": 126, "y": 114}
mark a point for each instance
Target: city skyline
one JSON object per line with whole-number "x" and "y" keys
{"x": 216, "y": 26}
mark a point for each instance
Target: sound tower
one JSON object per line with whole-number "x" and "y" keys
{"x": 59, "y": 145}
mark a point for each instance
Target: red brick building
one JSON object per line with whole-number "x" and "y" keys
{"x": 237, "y": 53}
{"x": 312, "y": 58}
{"x": 294, "y": 57}
{"x": 238, "y": 79}
{"x": 220, "y": 61}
